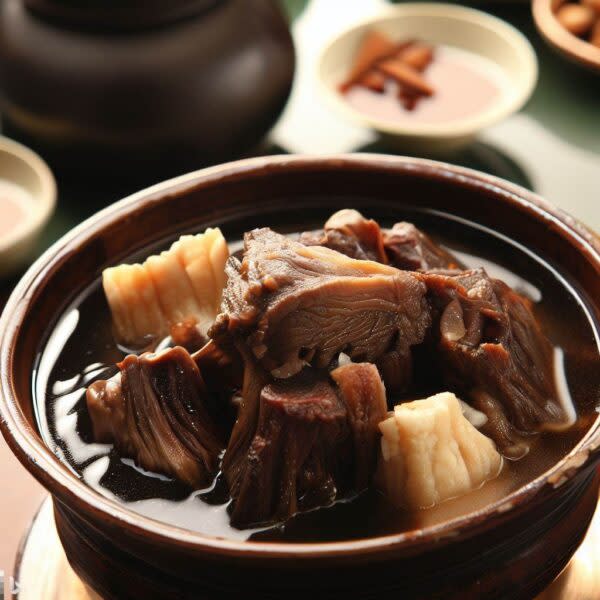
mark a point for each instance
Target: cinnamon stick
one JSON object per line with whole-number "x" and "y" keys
{"x": 373, "y": 47}
{"x": 374, "y": 80}
{"x": 405, "y": 75}
{"x": 417, "y": 56}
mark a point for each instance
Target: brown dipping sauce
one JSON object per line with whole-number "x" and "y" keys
{"x": 81, "y": 349}
{"x": 465, "y": 85}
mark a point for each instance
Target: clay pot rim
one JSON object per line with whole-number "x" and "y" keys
{"x": 66, "y": 487}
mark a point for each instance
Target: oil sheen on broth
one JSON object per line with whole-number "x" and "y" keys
{"x": 81, "y": 349}
{"x": 465, "y": 85}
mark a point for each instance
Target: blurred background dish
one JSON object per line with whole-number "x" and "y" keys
{"x": 584, "y": 50}
{"x": 154, "y": 90}
{"x": 117, "y": 14}
{"x": 27, "y": 198}
{"x": 462, "y": 37}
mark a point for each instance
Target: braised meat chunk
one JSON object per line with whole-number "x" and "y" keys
{"x": 513, "y": 443}
{"x": 187, "y": 335}
{"x": 348, "y": 232}
{"x": 311, "y": 443}
{"x": 255, "y": 378}
{"x": 222, "y": 368}
{"x": 396, "y": 368}
{"x": 294, "y": 305}
{"x": 490, "y": 346}
{"x": 404, "y": 246}
{"x": 157, "y": 411}
{"x": 363, "y": 394}
{"x": 289, "y": 464}
{"x": 409, "y": 248}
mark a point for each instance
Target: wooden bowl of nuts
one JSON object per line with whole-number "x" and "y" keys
{"x": 572, "y": 28}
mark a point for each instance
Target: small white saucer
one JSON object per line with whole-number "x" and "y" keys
{"x": 25, "y": 169}
{"x": 438, "y": 24}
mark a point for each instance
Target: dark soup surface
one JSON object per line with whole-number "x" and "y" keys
{"x": 81, "y": 349}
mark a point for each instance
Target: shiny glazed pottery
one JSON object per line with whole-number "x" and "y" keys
{"x": 510, "y": 549}
{"x": 142, "y": 89}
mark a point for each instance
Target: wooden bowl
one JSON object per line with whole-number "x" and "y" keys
{"x": 570, "y": 46}
{"x": 509, "y": 549}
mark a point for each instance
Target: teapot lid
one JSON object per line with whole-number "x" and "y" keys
{"x": 117, "y": 15}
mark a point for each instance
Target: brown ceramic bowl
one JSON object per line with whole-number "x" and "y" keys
{"x": 510, "y": 549}
{"x": 570, "y": 46}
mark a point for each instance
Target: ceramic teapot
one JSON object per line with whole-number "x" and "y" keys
{"x": 120, "y": 87}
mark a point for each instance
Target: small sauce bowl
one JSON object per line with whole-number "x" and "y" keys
{"x": 575, "y": 49}
{"x": 466, "y": 29}
{"x": 27, "y": 187}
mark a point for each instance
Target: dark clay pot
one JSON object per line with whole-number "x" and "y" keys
{"x": 510, "y": 549}
{"x": 134, "y": 88}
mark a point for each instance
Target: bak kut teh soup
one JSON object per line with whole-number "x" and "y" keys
{"x": 353, "y": 380}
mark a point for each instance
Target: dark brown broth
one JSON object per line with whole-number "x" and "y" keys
{"x": 81, "y": 349}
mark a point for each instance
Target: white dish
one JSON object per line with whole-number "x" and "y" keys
{"x": 452, "y": 26}
{"x": 27, "y": 177}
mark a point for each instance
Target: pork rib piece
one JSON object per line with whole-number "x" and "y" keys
{"x": 294, "y": 305}
{"x": 491, "y": 347}
{"x": 363, "y": 394}
{"x": 403, "y": 246}
{"x": 407, "y": 247}
{"x": 157, "y": 411}
{"x": 348, "y": 232}
{"x": 289, "y": 465}
{"x": 311, "y": 442}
